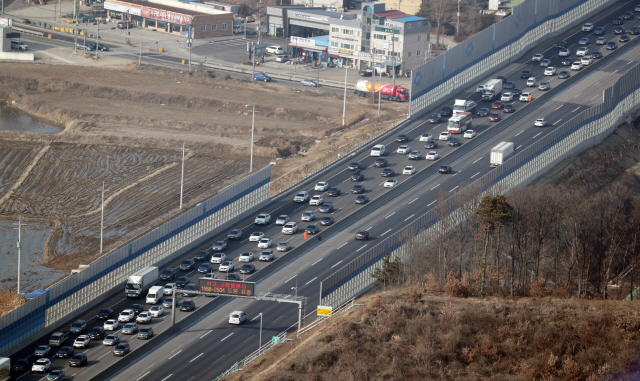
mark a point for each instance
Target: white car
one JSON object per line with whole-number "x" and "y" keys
{"x": 41, "y": 366}
{"x": 126, "y": 316}
{"x": 432, "y": 155}
{"x": 537, "y": 57}
{"x": 316, "y": 200}
{"x": 390, "y": 183}
{"x": 247, "y": 256}
{"x": 266, "y": 256}
{"x": 309, "y": 215}
{"x": 469, "y": 134}
{"x": 582, "y": 51}
{"x": 290, "y": 228}
{"x": 283, "y": 219}
{"x": 404, "y": 149}
{"x": 506, "y": 97}
{"x": 237, "y": 317}
{"x": 226, "y": 266}
{"x": 321, "y": 186}
{"x": 586, "y": 61}
{"x": 588, "y": 27}
{"x": 274, "y": 49}
{"x": 444, "y": 135}
{"x": 540, "y": 122}
{"x": 265, "y": 243}
{"x": 583, "y": 41}
{"x": 156, "y": 311}
{"x": 301, "y": 197}
{"x": 480, "y": 89}
{"x": 601, "y": 40}
{"x": 218, "y": 258}
{"x": 550, "y": 71}
{"x": 256, "y": 236}
{"x": 168, "y": 288}
{"x": 545, "y": 62}
{"x": 111, "y": 325}
{"x": 82, "y": 342}
{"x": 564, "y": 52}
{"x": 409, "y": 170}
{"x": 576, "y": 65}
{"x": 426, "y": 137}
{"x": 144, "y": 317}
{"x": 283, "y": 246}
{"x": 262, "y": 219}
{"x": 637, "y": 8}
{"x": 524, "y": 97}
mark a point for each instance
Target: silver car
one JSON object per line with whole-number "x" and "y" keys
{"x": 283, "y": 219}
{"x": 266, "y": 255}
{"x": 42, "y": 351}
{"x": 308, "y": 82}
{"x": 130, "y": 329}
{"x": 219, "y": 246}
{"x": 111, "y": 339}
{"x": 309, "y": 215}
{"x": 283, "y": 246}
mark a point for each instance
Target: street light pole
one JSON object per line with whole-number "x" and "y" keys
{"x": 182, "y": 176}
{"x": 344, "y": 105}
{"x": 318, "y": 85}
{"x": 260, "y": 345}
{"x": 97, "y": 42}
{"x": 253, "y": 123}
{"x": 20, "y": 225}
{"x": 380, "y": 93}
{"x": 458, "y": 21}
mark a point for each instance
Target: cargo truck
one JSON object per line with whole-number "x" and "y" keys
{"x": 140, "y": 281}
{"x": 388, "y": 92}
{"x": 500, "y": 153}
{"x": 463, "y": 105}
{"x": 492, "y": 89}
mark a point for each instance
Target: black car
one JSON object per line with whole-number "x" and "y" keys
{"x": 312, "y": 229}
{"x": 182, "y": 281}
{"x": 187, "y": 265}
{"x": 362, "y": 199}
{"x": 566, "y": 62}
{"x": 446, "y": 111}
{"x": 104, "y": 314}
{"x": 525, "y": 74}
{"x": 203, "y": 255}
{"x": 358, "y": 188}
{"x": 435, "y": 118}
{"x": 634, "y": 30}
{"x": 561, "y": 44}
{"x": 617, "y": 21}
{"x": 483, "y": 112}
{"x": 380, "y": 162}
{"x": 101, "y": 47}
{"x": 515, "y": 92}
{"x": 20, "y": 365}
{"x": 327, "y": 207}
{"x": 170, "y": 273}
{"x": 137, "y": 308}
{"x": 354, "y": 166}
{"x": 612, "y": 45}
{"x": 96, "y": 333}
{"x": 444, "y": 169}
{"x": 333, "y": 192}
{"x": 502, "y": 78}
{"x": 247, "y": 268}
{"x": 65, "y": 352}
{"x": 624, "y": 38}
{"x": 627, "y": 16}
{"x": 509, "y": 85}
{"x": 618, "y": 30}
{"x": 187, "y": 305}
{"x": 189, "y": 287}
{"x": 235, "y": 234}
{"x": 508, "y": 108}
{"x": 388, "y": 172}
{"x": 327, "y": 220}
{"x": 454, "y": 142}
{"x": 596, "y": 55}
{"x": 598, "y": 31}
{"x": 357, "y": 176}
{"x": 79, "y": 359}
{"x": 402, "y": 138}
{"x": 145, "y": 333}
{"x": 564, "y": 74}
{"x": 431, "y": 144}
{"x": 362, "y": 235}
{"x": 121, "y": 349}
{"x": 366, "y": 73}
{"x": 232, "y": 276}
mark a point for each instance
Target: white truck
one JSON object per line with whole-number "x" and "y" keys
{"x": 463, "y": 105}
{"x": 500, "y": 153}
{"x": 155, "y": 294}
{"x": 492, "y": 89}
{"x": 140, "y": 281}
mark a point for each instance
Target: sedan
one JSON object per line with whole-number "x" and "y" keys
{"x": 435, "y": 118}
{"x": 545, "y": 63}
{"x": 219, "y": 245}
{"x": 104, "y": 314}
{"x": 187, "y": 305}
{"x": 617, "y": 21}
{"x": 247, "y": 256}
{"x": 598, "y": 31}
{"x": 586, "y": 61}
{"x": 506, "y": 97}
{"x": 354, "y": 166}
{"x": 235, "y": 234}
{"x": 601, "y": 40}
{"x": 432, "y": 155}
{"x": 326, "y": 221}
{"x": 321, "y": 186}
{"x": 484, "y": 111}
{"x": 41, "y": 365}
{"x": 168, "y": 302}
{"x": 627, "y": 16}
{"x": 561, "y": 44}
{"x": 544, "y": 86}
{"x": 265, "y": 243}
{"x": 402, "y": 138}
{"x": 469, "y": 134}
{"x": 156, "y": 311}
{"x": 137, "y": 308}
{"x": 550, "y": 71}
{"x": 225, "y": 267}
{"x": 563, "y": 74}
{"x": 82, "y": 341}
{"x": 111, "y": 325}
{"x": 20, "y": 365}
{"x": 581, "y": 52}
{"x": 170, "y": 273}
{"x": 42, "y": 351}
{"x": 362, "y": 199}
{"x": 121, "y": 349}
{"x": 266, "y": 256}
{"x": 390, "y": 183}
{"x": 362, "y": 235}
{"x": 588, "y": 27}
{"x": 78, "y": 359}
{"x": 497, "y": 105}
{"x": 358, "y": 188}
{"x": 564, "y": 53}
{"x": 309, "y": 215}
{"x": 537, "y": 57}
{"x": 409, "y": 170}
{"x": 525, "y": 73}
{"x": 509, "y": 85}
{"x": 283, "y": 246}
{"x": 357, "y": 176}
{"x": 380, "y": 162}
{"x": 144, "y": 318}
{"x": 525, "y": 97}
{"x": 145, "y": 333}
{"x": 262, "y": 77}
{"x": 312, "y": 229}
{"x": 612, "y": 45}
{"x": 576, "y": 65}
{"x": 55, "y": 375}
{"x": 333, "y": 192}
{"x": 624, "y": 38}
{"x": 454, "y": 142}
{"x": 65, "y": 352}
{"x": 126, "y": 316}
{"x": 309, "y": 82}
{"x": 205, "y": 268}
{"x": 444, "y": 136}
{"x": 111, "y": 339}
{"x": 327, "y": 207}
{"x": 415, "y": 155}
{"x": 494, "y": 117}
{"x": 566, "y": 62}
{"x": 256, "y": 236}
{"x": 508, "y": 108}
{"x": 540, "y": 122}
{"x": 596, "y": 55}
{"x": 217, "y": 258}
{"x": 388, "y": 172}
{"x": 583, "y": 41}
{"x": 444, "y": 169}
{"x": 182, "y": 281}
{"x": 403, "y": 149}
{"x": 635, "y": 30}
{"x": 618, "y": 30}
{"x": 431, "y": 144}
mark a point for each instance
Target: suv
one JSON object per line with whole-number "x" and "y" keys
{"x": 263, "y": 219}
{"x": 290, "y": 228}
{"x": 301, "y": 197}
{"x": 235, "y": 234}
{"x": 446, "y": 111}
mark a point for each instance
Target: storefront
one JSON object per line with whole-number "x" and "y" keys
{"x": 310, "y": 50}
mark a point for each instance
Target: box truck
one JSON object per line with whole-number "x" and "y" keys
{"x": 463, "y": 105}
{"x": 500, "y": 153}
{"x": 492, "y": 89}
{"x": 140, "y": 281}
{"x": 155, "y": 294}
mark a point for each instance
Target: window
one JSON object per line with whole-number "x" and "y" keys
{"x": 335, "y": 29}
{"x": 334, "y": 44}
{"x": 408, "y": 54}
{"x": 203, "y": 28}
{"x": 419, "y": 37}
{"x": 418, "y": 53}
{"x": 224, "y": 26}
{"x": 214, "y": 26}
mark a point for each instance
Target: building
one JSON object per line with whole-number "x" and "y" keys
{"x": 175, "y": 18}
{"x": 407, "y": 6}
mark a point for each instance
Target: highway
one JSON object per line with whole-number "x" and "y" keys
{"x": 211, "y": 345}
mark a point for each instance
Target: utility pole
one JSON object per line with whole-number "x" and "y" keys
{"x": 182, "y": 176}
{"x": 253, "y": 124}
{"x": 380, "y": 93}
{"x": 97, "y": 42}
{"x": 245, "y": 28}
{"x": 344, "y": 105}
{"x": 253, "y": 58}
{"x": 458, "y": 20}
{"x": 59, "y": 8}
{"x": 20, "y": 225}
{"x": 260, "y": 345}
{"x": 126, "y": 29}
{"x": 189, "y": 43}
{"x": 85, "y": 40}
{"x": 295, "y": 58}
{"x": 102, "y": 217}
{"x": 75, "y": 30}
{"x": 318, "y": 86}
{"x": 140, "y": 55}
{"x": 393, "y": 53}
{"x": 373, "y": 89}
{"x": 173, "y": 307}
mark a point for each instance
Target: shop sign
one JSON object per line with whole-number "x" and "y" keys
{"x": 299, "y": 15}
{"x": 122, "y": 8}
{"x": 161, "y": 15}
{"x": 380, "y": 28}
{"x": 303, "y": 41}
{"x": 346, "y": 51}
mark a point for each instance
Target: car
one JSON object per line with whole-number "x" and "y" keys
{"x": 358, "y": 188}
{"x": 283, "y": 58}
{"x": 284, "y": 245}
{"x": 506, "y": 97}
{"x": 317, "y": 199}
{"x": 226, "y": 266}
{"x": 182, "y": 281}
{"x": 432, "y": 155}
{"x": 431, "y": 144}
{"x": 246, "y": 256}
{"x": 104, "y": 314}
{"x": 446, "y": 111}
{"x": 221, "y": 245}
{"x": 402, "y": 138}
{"x": 326, "y": 220}
{"x": 494, "y": 117}
{"x": 525, "y": 74}
{"x": 435, "y": 119}
{"x": 210, "y": 276}
{"x": 261, "y": 219}
{"x": 583, "y": 41}
{"x": 576, "y": 65}
{"x": 168, "y": 302}
{"x": 266, "y": 256}
{"x": 20, "y": 365}
{"x": 309, "y": 82}
{"x": 78, "y": 327}
{"x": 541, "y": 122}
{"x": 561, "y": 44}
{"x": 65, "y": 352}
{"x": 454, "y": 142}
{"x": 480, "y": 89}
{"x": 145, "y": 317}
{"x": 145, "y": 333}
{"x": 581, "y": 52}
{"x": 483, "y": 112}
{"x": 611, "y": 45}
{"x": 545, "y": 62}
{"x": 618, "y": 30}
{"x": 403, "y": 149}
{"x": 497, "y": 105}
{"x": 445, "y": 135}
{"x": 563, "y": 74}
{"x": 634, "y": 30}
{"x": 537, "y": 57}
{"x": 362, "y": 199}
{"x": 624, "y": 38}
{"x": 544, "y": 86}
{"x": 390, "y": 183}
{"x": 550, "y": 71}
{"x": 637, "y": 8}
{"x": 308, "y": 215}
{"x": 366, "y": 73}
{"x": 256, "y": 236}
{"x": 525, "y": 97}
{"x": 136, "y": 308}
{"x": 111, "y": 339}
{"x": 282, "y": 219}
{"x": 388, "y": 172}
{"x": 96, "y": 333}
{"x": 78, "y": 359}
{"x": 274, "y": 49}
{"x": 508, "y": 108}
{"x": 265, "y": 243}
{"x": 55, "y": 375}
{"x": 237, "y": 317}
{"x": 187, "y": 305}
{"x": 354, "y": 166}
{"x": 156, "y": 311}
{"x": 596, "y": 55}
{"x": 588, "y": 27}
{"x": 121, "y": 349}
{"x": 509, "y": 85}
{"x": 362, "y": 235}
{"x": 415, "y": 155}
{"x": 444, "y": 169}
{"x": 502, "y": 78}
{"x": 566, "y": 62}
{"x": 598, "y": 31}
{"x": 334, "y": 192}
{"x": 586, "y": 61}
{"x": 41, "y": 366}
{"x": 617, "y": 21}
{"x": 83, "y": 46}
{"x": 187, "y": 265}
{"x": 326, "y": 208}
{"x": 170, "y": 273}
{"x": 82, "y": 341}
{"x": 409, "y": 170}
{"x": 130, "y": 329}
{"x": 627, "y": 16}
{"x": 205, "y": 268}
{"x": 312, "y": 229}
{"x": 425, "y": 137}
{"x": 235, "y": 234}
{"x": 188, "y": 289}
{"x": 601, "y": 40}
{"x": 260, "y": 76}
{"x": 290, "y": 228}
{"x": 215, "y": 258}
{"x": 516, "y": 92}
{"x": 321, "y": 186}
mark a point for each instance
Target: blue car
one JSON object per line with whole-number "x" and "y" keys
{"x": 205, "y": 268}
{"x": 262, "y": 77}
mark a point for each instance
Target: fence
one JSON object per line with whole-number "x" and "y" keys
{"x": 583, "y": 131}
{"x": 529, "y": 24}
{"x": 105, "y": 275}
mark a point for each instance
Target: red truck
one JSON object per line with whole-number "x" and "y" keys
{"x": 389, "y": 92}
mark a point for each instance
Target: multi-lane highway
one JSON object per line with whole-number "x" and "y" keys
{"x": 211, "y": 345}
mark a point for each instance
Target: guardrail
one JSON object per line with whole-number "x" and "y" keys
{"x": 27, "y": 31}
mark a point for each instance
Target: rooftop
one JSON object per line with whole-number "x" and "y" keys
{"x": 159, "y": 6}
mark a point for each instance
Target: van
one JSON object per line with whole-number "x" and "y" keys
{"x": 531, "y": 81}
{"x": 238, "y": 29}
{"x": 155, "y": 294}
{"x": 58, "y": 339}
{"x": 274, "y": 49}
{"x": 378, "y": 150}
{"x": 15, "y": 44}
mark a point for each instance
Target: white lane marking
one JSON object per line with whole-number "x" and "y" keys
{"x": 435, "y": 187}
{"x": 164, "y": 379}
{"x": 316, "y": 261}
{"x": 577, "y": 95}
{"x": 390, "y": 215}
{"x": 537, "y": 134}
{"x": 432, "y": 202}
{"x": 369, "y": 228}
{"x": 341, "y": 246}
{"x": 226, "y": 337}
{"x": 290, "y": 278}
{"x": 362, "y": 247}
{"x": 103, "y": 355}
{"x": 140, "y": 378}
{"x": 616, "y": 71}
{"x": 311, "y": 281}
{"x": 408, "y": 218}
{"x": 595, "y": 96}
{"x": 519, "y": 132}
{"x": 477, "y": 160}
{"x": 559, "y": 107}
{"x": 386, "y": 232}
{"x": 518, "y": 147}
{"x": 457, "y": 186}
{"x": 255, "y": 318}
{"x": 381, "y": 183}
{"x": 629, "y": 62}
{"x": 205, "y": 334}
{"x": 278, "y": 319}
{"x": 250, "y": 337}
{"x": 194, "y": 359}
{"x": 415, "y": 199}
{"x": 174, "y": 355}
{"x": 557, "y": 121}
{"x": 336, "y": 264}
{"x": 456, "y": 173}
{"x": 475, "y": 175}
{"x": 576, "y": 109}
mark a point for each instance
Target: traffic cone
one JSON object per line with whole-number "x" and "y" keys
{"x": 305, "y": 235}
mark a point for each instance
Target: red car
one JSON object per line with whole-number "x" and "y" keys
{"x": 494, "y": 117}
{"x": 498, "y": 105}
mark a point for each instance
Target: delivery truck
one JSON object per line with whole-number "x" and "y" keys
{"x": 500, "y": 153}
{"x": 140, "y": 281}
{"x": 492, "y": 89}
{"x": 463, "y": 105}
{"x": 388, "y": 92}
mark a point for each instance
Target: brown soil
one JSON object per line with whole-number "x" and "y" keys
{"x": 10, "y": 300}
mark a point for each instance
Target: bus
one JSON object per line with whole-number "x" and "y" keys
{"x": 459, "y": 123}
